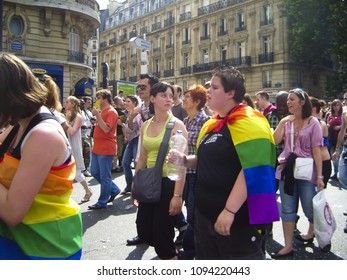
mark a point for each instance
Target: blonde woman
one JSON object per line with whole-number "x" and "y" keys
{"x": 74, "y": 120}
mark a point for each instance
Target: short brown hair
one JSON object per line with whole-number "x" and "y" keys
{"x": 198, "y": 93}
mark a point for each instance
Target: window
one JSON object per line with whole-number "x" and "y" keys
{"x": 186, "y": 8}
{"x": 241, "y": 49}
{"x": 204, "y": 31}
{"x": 133, "y": 70}
{"x": 205, "y": 56}
{"x": 266, "y": 15}
{"x": 186, "y": 60}
{"x": 74, "y": 40}
{"x": 16, "y": 26}
{"x": 266, "y": 45}
{"x": 157, "y": 65}
{"x": 267, "y": 78}
{"x": 205, "y": 3}
{"x": 170, "y": 63}
{"x": 169, "y": 40}
{"x": 240, "y": 22}
{"x": 223, "y": 53}
{"x": 222, "y": 26}
{"x": 186, "y": 35}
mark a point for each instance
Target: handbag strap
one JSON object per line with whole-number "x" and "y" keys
{"x": 165, "y": 143}
{"x": 292, "y": 137}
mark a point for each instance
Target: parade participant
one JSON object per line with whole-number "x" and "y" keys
{"x": 194, "y": 100}
{"x": 38, "y": 219}
{"x": 74, "y": 122}
{"x": 104, "y": 149}
{"x": 307, "y": 142}
{"x": 155, "y": 221}
{"x": 235, "y": 191}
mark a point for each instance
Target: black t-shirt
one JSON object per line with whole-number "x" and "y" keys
{"x": 217, "y": 171}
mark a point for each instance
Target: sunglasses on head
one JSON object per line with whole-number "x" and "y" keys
{"x": 142, "y": 87}
{"x": 300, "y": 92}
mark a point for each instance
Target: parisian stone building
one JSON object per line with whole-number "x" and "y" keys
{"x": 52, "y": 37}
{"x": 189, "y": 38}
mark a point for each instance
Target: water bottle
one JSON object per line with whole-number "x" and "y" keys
{"x": 177, "y": 143}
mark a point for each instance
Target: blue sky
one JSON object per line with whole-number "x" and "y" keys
{"x": 102, "y": 4}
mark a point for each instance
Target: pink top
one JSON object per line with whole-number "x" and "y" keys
{"x": 309, "y": 137}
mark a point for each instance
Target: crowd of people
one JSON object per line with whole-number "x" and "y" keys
{"x": 230, "y": 181}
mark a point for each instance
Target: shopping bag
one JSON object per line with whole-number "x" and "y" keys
{"x": 323, "y": 220}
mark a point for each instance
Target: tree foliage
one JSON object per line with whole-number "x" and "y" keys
{"x": 317, "y": 32}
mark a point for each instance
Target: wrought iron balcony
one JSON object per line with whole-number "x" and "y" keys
{"x": 222, "y": 32}
{"x": 204, "y": 37}
{"x": 170, "y": 46}
{"x": 185, "y": 42}
{"x": 156, "y": 26}
{"x": 266, "y": 21}
{"x": 185, "y": 16}
{"x": 186, "y": 70}
{"x": 103, "y": 44}
{"x": 76, "y": 57}
{"x": 169, "y": 22}
{"x": 123, "y": 37}
{"x": 240, "y": 28}
{"x": 112, "y": 41}
{"x": 168, "y": 73}
{"x": 266, "y": 57}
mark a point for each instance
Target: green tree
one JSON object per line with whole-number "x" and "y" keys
{"x": 317, "y": 32}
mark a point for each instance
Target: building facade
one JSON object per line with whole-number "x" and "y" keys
{"x": 52, "y": 37}
{"x": 190, "y": 38}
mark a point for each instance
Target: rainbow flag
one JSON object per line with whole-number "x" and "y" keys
{"x": 52, "y": 228}
{"x": 254, "y": 144}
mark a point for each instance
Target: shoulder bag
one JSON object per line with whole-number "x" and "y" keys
{"x": 147, "y": 181}
{"x": 303, "y": 168}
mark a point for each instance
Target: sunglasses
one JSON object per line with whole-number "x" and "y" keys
{"x": 299, "y": 92}
{"x": 141, "y": 87}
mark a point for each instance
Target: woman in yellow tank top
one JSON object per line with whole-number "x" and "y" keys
{"x": 155, "y": 223}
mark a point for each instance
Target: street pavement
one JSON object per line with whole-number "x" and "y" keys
{"x": 105, "y": 231}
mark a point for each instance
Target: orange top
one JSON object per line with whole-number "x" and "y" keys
{"x": 106, "y": 143}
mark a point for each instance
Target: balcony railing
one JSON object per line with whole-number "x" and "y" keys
{"x": 241, "y": 61}
{"x": 157, "y": 74}
{"x": 266, "y": 57}
{"x": 186, "y": 42}
{"x": 132, "y": 34}
{"x": 144, "y": 30}
{"x": 157, "y": 49}
{"x": 185, "y": 16}
{"x": 123, "y": 37}
{"x": 168, "y": 73}
{"x": 76, "y": 57}
{"x": 217, "y": 6}
{"x": 266, "y": 21}
{"x": 170, "y": 46}
{"x": 156, "y": 26}
{"x": 112, "y": 41}
{"x": 186, "y": 70}
{"x": 169, "y": 22}
{"x": 204, "y": 37}
{"x": 222, "y": 32}
{"x": 103, "y": 44}
{"x": 240, "y": 28}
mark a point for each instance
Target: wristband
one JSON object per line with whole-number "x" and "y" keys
{"x": 320, "y": 177}
{"x": 229, "y": 211}
{"x": 177, "y": 195}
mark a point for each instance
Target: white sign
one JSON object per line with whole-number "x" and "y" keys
{"x": 140, "y": 43}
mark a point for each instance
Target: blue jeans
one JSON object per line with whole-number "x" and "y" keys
{"x": 128, "y": 156}
{"x": 100, "y": 168}
{"x": 342, "y": 175}
{"x": 304, "y": 190}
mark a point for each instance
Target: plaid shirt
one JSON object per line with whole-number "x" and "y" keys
{"x": 274, "y": 120}
{"x": 193, "y": 127}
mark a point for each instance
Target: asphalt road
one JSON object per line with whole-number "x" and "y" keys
{"x": 105, "y": 231}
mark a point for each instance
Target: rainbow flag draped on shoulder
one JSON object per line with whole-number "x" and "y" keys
{"x": 254, "y": 144}
{"x": 52, "y": 228}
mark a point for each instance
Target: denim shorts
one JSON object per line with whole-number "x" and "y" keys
{"x": 303, "y": 190}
